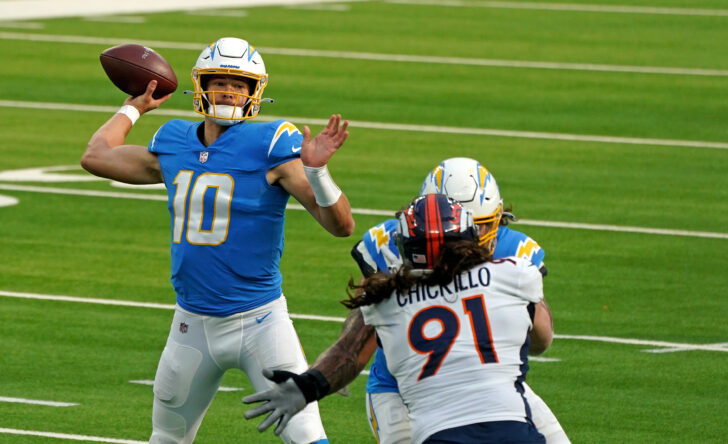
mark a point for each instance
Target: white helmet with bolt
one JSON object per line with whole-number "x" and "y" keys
{"x": 233, "y": 57}
{"x": 471, "y": 184}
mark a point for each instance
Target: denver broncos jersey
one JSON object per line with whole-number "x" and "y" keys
{"x": 226, "y": 219}
{"x": 459, "y": 351}
{"x": 378, "y": 252}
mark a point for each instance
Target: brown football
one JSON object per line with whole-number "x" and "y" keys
{"x": 131, "y": 67}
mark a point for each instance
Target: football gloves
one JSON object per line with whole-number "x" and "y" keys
{"x": 289, "y": 396}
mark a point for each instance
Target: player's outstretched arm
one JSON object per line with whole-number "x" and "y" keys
{"x": 333, "y": 370}
{"x": 342, "y": 362}
{"x": 106, "y": 154}
{"x": 309, "y": 181}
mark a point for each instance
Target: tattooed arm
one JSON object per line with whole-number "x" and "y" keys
{"x": 333, "y": 370}
{"x": 346, "y": 358}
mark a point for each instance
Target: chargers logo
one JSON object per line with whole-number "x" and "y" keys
{"x": 527, "y": 248}
{"x": 284, "y": 128}
{"x": 380, "y": 236}
{"x": 436, "y": 176}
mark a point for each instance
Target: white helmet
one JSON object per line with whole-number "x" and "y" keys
{"x": 229, "y": 56}
{"x": 471, "y": 184}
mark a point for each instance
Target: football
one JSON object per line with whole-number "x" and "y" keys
{"x": 131, "y": 67}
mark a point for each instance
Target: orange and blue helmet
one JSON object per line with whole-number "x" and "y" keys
{"x": 429, "y": 222}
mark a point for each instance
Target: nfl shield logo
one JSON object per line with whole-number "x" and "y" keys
{"x": 183, "y": 327}
{"x": 203, "y": 156}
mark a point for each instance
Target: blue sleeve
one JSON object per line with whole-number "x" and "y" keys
{"x": 514, "y": 243}
{"x": 285, "y": 144}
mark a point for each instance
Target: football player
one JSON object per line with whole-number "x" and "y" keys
{"x": 460, "y": 178}
{"x": 226, "y": 178}
{"x": 454, "y": 326}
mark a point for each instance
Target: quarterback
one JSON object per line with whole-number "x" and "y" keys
{"x": 228, "y": 182}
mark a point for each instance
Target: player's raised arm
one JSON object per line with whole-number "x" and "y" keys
{"x": 309, "y": 181}
{"x": 106, "y": 154}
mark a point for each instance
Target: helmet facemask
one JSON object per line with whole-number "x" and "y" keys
{"x": 235, "y": 58}
{"x": 246, "y": 106}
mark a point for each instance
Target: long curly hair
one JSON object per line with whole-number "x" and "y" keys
{"x": 455, "y": 257}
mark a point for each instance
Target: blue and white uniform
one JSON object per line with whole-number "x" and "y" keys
{"x": 377, "y": 251}
{"x": 227, "y": 240}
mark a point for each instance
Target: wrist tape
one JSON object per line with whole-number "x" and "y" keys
{"x": 324, "y": 189}
{"x": 129, "y": 111}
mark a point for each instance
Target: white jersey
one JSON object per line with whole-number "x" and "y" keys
{"x": 459, "y": 352}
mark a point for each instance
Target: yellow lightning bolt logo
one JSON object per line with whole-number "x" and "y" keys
{"x": 438, "y": 175}
{"x": 284, "y": 127}
{"x": 526, "y": 249}
{"x": 380, "y": 236}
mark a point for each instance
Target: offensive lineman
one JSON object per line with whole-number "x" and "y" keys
{"x": 228, "y": 181}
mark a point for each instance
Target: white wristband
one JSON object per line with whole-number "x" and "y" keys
{"x": 129, "y": 111}
{"x": 324, "y": 189}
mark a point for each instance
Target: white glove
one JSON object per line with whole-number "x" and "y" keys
{"x": 289, "y": 396}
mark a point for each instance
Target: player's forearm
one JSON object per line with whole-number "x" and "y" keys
{"x": 337, "y": 218}
{"x": 341, "y": 363}
{"x": 98, "y": 151}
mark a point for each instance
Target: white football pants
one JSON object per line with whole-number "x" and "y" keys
{"x": 201, "y": 348}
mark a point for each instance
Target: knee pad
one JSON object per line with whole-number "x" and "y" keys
{"x": 177, "y": 367}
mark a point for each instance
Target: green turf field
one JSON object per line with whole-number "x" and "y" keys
{"x": 606, "y": 130}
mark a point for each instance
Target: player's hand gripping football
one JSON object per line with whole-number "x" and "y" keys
{"x": 316, "y": 152}
{"x": 145, "y": 102}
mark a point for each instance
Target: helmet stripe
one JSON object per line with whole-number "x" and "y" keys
{"x": 434, "y": 234}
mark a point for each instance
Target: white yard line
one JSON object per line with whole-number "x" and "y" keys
{"x": 222, "y": 388}
{"x": 402, "y": 58}
{"x": 568, "y": 7}
{"x": 701, "y": 347}
{"x": 67, "y": 436}
{"x": 375, "y": 212}
{"x": 396, "y": 127}
{"x": 37, "y": 402}
{"x": 43, "y": 9}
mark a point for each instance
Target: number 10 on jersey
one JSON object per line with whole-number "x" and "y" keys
{"x": 199, "y": 230}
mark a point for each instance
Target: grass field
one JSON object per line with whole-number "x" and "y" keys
{"x": 604, "y": 124}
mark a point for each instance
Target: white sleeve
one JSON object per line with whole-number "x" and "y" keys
{"x": 530, "y": 282}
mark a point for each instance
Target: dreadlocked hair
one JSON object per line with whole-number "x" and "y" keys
{"x": 455, "y": 258}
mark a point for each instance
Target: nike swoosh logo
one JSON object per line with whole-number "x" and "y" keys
{"x": 295, "y": 150}
{"x": 262, "y": 318}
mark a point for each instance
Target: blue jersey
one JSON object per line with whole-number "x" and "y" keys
{"x": 226, "y": 219}
{"x": 378, "y": 252}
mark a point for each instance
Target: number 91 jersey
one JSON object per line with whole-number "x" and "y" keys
{"x": 459, "y": 352}
{"x": 226, "y": 219}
